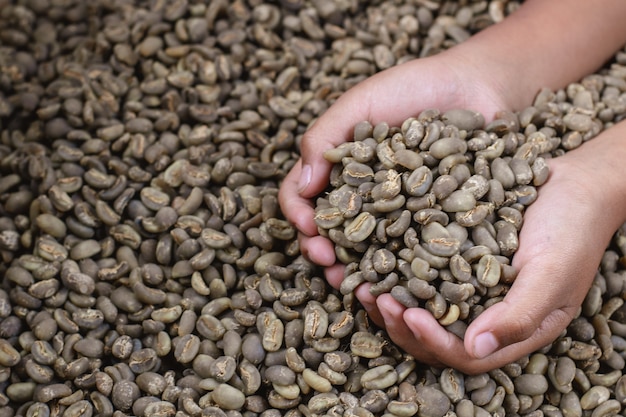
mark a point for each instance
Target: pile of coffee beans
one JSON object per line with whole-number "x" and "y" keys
{"x": 147, "y": 270}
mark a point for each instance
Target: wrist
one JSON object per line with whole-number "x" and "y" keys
{"x": 597, "y": 169}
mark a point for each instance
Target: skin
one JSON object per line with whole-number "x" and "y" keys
{"x": 565, "y": 231}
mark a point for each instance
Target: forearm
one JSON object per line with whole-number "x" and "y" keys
{"x": 597, "y": 169}
{"x": 546, "y": 43}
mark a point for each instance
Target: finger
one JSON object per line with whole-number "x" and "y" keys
{"x": 407, "y": 336}
{"x": 443, "y": 345}
{"x": 446, "y": 348}
{"x": 297, "y": 209}
{"x": 318, "y": 250}
{"x": 334, "y": 127}
{"x": 531, "y": 315}
{"x": 368, "y": 301}
{"x": 334, "y": 274}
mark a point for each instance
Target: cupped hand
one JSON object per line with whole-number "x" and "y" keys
{"x": 443, "y": 82}
{"x": 564, "y": 235}
{"x": 565, "y": 231}
{"x": 562, "y": 240}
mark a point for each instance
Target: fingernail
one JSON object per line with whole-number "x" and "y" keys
{"x": 485, "y": 344}
{"x": 305, "y": 178}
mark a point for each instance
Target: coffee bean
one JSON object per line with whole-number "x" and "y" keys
{"x": 228, "y": 397}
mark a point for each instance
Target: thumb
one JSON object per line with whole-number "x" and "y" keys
{"x": 334, "y": 127}
{"x": 310, "y": 175}
{"x": 530, "y": 317}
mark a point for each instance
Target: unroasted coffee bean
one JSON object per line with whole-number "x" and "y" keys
{"x": 432, "y": 402}
{"x": 380, "y": 377}
{"x": 531, "y": 384}
{"x": 360, "y": 228}
{"x": 186, "y": 348}
{"x": 316, "y": 381}
{"x": 464, "y": 119}
{"x": 222, "y": 369}
{"x": 143, "y": 360}
{"x": 124, "y": 394}
{"x": 404, "y": 297}
{"x": 89, "y": 347}
{"x": 50, "y": 392}
{"x": 366, "y": 345}
{"x": 43, "y": 352}
{"x": 228, "y": 397}
{"x": 159, "y": 408}
{"x": 151, "y": 383}
{"x": 80, "y": 408}
{"x": 9, "y": 356}
{"x": 281, "y": 375}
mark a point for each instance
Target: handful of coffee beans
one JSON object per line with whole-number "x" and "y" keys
{"x": 430, "y": 211}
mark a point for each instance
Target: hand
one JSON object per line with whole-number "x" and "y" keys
{"x": 482, "y": 74}
{"x": 390, "y": 96}
{"x": 564, "y": 235}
